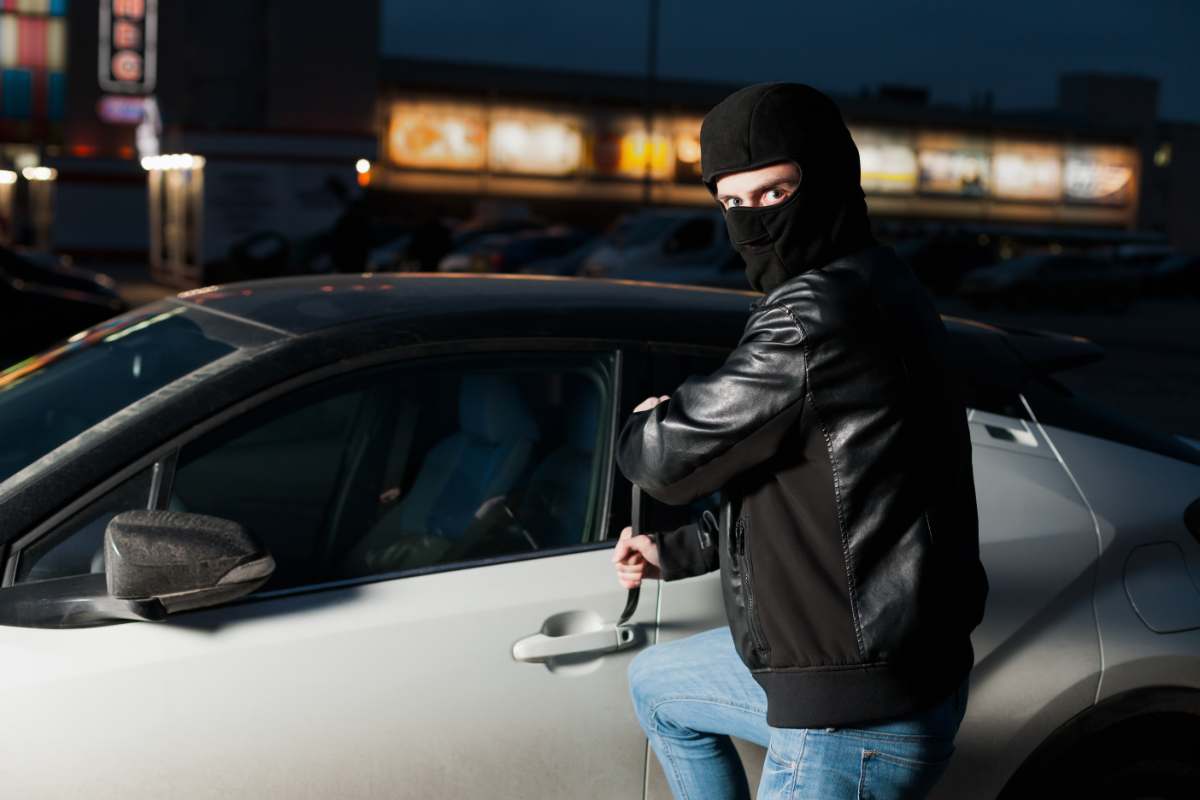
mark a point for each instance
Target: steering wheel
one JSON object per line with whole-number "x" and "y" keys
{"x": 408, "y": 551}
{"x": 494, "y": 531}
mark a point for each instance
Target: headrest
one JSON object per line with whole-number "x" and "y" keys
{"x": 490, "y": 407}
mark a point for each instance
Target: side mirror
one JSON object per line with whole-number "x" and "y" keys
{"x": 180, "y": 560}
{"x": 157, "y": 563}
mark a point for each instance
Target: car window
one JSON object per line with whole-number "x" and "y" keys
{"x": 397, "y": 469}
{"x": 411, "y": 468}
{"x": 76, "y": 546}
{"x": 50, "y": 398}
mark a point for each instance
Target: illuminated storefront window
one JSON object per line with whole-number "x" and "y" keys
{"x": 687, "y": 149}
{"x": 888, "y": 161}
{"x": 534, "y": 144}
{"x": 176, "y": 197}
{"x": 624, "y": 150}
{"x": 953, "y": 165}
{"x": 910, "y": 171}
{"x": 1027, "y": 171}
{"x": 437, "y": 136}
{"x": 1099, "y": 175}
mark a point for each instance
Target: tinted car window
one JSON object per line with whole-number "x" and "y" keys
{"x": 411, "y": 468}
{"x": 76, "y": 547}
{"x": 50, "y": 398}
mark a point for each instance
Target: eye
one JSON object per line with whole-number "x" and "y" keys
{"x": 731, "y": 202}
{"x": 775, "y": 195}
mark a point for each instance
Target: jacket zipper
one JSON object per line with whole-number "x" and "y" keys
{"x": 760, "y": 641}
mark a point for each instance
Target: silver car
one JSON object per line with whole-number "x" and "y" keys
{"x": 349, "y": 536}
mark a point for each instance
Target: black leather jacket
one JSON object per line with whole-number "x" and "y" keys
{"x": 848, "y": 541}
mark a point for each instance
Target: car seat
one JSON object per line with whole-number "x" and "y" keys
{"x": 460, "y": 472}
{"x": 555, "y": 502}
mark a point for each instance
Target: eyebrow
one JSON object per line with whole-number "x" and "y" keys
{"x": 762, "y": 187}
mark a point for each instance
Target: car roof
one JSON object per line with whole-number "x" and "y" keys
{"x": 472, "y": 306}
{"x": 453, "y": 306}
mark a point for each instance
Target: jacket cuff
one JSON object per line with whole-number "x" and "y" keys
{"x": 690, "y": 550}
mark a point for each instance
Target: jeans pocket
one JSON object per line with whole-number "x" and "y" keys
{"x": 888, "y": 776}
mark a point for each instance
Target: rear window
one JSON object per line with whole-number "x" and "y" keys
{"x": 50, "y": 398}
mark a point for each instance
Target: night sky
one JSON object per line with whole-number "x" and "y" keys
{"x": 1016, "y": 48}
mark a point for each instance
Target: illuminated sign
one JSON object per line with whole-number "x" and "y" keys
{"x": 33, "y": 62}
{"x": 128, "y": 45}
{"x": 534, "y": 144}
{"x": 120, "y": 109}
{"x": 1103, "y": 175}
{"x": 625, "y": 150}
{"x": 1027, "y": 171}
{"x": 952, "y": 165}
{"x": 687, "y": 150}
{"x": 888, "y": 161}
{"x": 437, "y": 136}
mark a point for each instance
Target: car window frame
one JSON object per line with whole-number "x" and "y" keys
{"x": 162, "y": 458}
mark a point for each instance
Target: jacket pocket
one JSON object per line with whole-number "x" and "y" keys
{"x": 742, "y": 555}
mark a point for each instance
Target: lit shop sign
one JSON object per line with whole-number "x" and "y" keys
{"x": 534, "y": 144}
{"x": 1103, "y": 175}
{"x": 952, "y": 165}
{"x": 626, "y": 151}
{"x": 888, "y": 161}
{"x": 128, "y": 46}
{"x": 437, "y": 136}
{"x": 1026, "y": 171}
{"x": 687, "y": 150}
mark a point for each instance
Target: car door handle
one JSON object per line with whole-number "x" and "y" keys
{"x": 609, "y": 638}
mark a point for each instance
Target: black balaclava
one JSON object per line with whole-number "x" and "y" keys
{"x": 826, "y": 218}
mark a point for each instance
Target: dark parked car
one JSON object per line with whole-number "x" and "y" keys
{"x": 940, "y": 262}
{"x": 511, "y": 253}
{"x": 43, "y": 299}
{"x": 1065, "y": 280}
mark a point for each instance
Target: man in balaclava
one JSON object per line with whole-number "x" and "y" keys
{"x": 847, "y": 537}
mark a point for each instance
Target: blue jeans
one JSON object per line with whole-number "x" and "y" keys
{"x": 692, "y": 694}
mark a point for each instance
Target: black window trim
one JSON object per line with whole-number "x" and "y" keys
{"x": 161, "y": 459}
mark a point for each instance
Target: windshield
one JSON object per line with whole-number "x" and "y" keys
{"x": 50, "y": 398}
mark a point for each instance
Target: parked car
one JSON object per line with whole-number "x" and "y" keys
{"x": 44, "y": 298}
{"x": 358, "y": 531}
{"x": 467, "y": 240}
{"x": 1063, "y": 280}
{"x": 940, "y": 262}
{"x": 660, "y": 239}
{"x": 512, "y": 253}
{"x": 1178, "y": 274}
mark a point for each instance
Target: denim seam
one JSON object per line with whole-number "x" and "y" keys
{"x": 690, "y": 699}
{"x": 905, "y": 762}
{"x": 791, "y": 790}
{"x": 858, "y": 733}
{"x": 666, "y": 739}
{"x": 667, "y": 752}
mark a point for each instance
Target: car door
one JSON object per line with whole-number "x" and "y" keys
{"x": 440, "y": 622}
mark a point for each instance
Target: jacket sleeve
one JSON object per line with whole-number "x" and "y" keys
{"x": 717, "y": 426}
{"x": 689, "y": 551}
